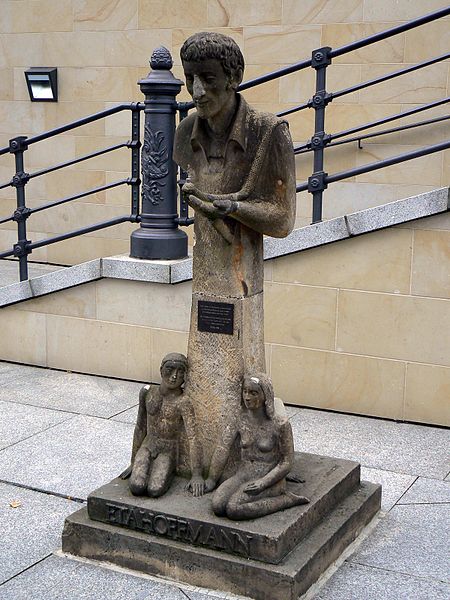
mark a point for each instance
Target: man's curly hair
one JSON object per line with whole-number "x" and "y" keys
{"x": 206, "y": 45}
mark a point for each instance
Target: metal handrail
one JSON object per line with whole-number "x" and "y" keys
{"x": 80, "y": 122}
{"x": 19, "y": 145}
{"x": 380, "y": 164}
{"x": 367, "y": 136}
{"x": 371, "y": 39}
{"x": 75, "y": 233}
{"x": 319, "y": 180}
{"x": 370, "y": 124}
{"x": 365, "y": 84}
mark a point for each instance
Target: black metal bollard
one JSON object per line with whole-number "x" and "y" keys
{"x": 158, "y": 236}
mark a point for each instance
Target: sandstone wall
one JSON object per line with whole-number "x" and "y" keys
{"x": 361, "y": 325}
{"x": 101, "y": 49}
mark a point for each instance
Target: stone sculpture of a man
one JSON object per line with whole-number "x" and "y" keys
{"x": 164, "y": 412}
{"x": 240, "y": 163}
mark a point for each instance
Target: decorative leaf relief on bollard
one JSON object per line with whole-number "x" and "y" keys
{"x": 155, "y": 165}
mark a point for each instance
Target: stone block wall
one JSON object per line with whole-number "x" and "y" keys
{"x": 361, "y": 325}
{"x": 102, "y": 47}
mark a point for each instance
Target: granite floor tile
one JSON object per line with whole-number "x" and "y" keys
{"x": 355, "y": 582}
{"x": 60, "y": 578}
{"x": 19, "y": 422}
{"x": 291, "y": 410}
{"x": 427, "y": 491}
{"x": 73, "y": 392}
{"x": 411, "y": 539}
{"x": 376, "y": 443}
{"x": 72, "y": 458}
{"x": 30, "y": 531}
{"x": 127, "y": 416}
{"x": 393, "y": 485}
{"x": 8, "y": 371}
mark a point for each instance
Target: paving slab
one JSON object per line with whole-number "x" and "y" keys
{"x": 427, "y": 491}
{"x": 19, "y": 422}
{"x": 291, "y": 410}
{"x": 60, "y": 578}
{"x": 72, "y": 458}
{"x": 411, "y": 539}
{"x": 393, "y": 485}
{"x": 376, "y": 443}
{"x": 356, "y": 582}
{"x": 8, "y": 372}
{"x": 30, "y": 531}
{"x": 127, "y": 416}
{"x": 73, "y": 392}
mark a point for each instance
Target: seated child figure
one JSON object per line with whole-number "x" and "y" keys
{"x": 163, "y": 413}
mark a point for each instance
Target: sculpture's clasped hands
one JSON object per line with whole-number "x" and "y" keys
{"x": 212, "y": 205}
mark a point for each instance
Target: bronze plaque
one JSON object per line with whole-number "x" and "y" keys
{"x": 215, "y": 317}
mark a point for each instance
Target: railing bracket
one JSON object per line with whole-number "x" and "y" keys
{"x": 21, "y": 248}
{"x": 21, "y": 214}
{"x": 18, "y": 144}
{"x": 319, "y": 140}
{"x": 20, "y": 179}
{"x": 320, "y": 99}
{"x": 321, "y": 57}
{"x": 317, "y": 182}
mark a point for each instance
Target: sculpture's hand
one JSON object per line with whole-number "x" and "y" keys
{"x": 205, "y": 207}
{"x": 254, "y": 487}
{"x": 127, "y": 473}
{"x": 225, "y": 206}
{"x": 189, "y": 188}
{"x": 196, "y": 486}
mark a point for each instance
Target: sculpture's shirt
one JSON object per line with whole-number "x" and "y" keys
{"x": 222, "y": 166}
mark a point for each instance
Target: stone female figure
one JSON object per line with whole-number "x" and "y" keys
{"x": 163, "y": 413}
{"x": 259, "y": 486}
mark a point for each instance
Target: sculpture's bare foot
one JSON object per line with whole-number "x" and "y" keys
{"x": 296, "y": 499}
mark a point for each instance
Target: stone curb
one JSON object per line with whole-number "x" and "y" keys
{"x": 177, "y": 271}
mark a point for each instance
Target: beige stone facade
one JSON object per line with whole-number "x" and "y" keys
{"x": 361, "y": 325}
{"x": 101, "y": 49}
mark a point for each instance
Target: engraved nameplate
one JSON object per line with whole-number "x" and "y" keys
{"x": 182, "y": 530}
{"x": 215, "y": 317}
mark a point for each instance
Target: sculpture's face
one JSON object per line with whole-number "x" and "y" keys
{"x": 211, "y": 89}
{"x": 252, "y": 394}
{"x": 173, "y": 374}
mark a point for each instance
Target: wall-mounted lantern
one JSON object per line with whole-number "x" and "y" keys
{"x": 42, "y": 84}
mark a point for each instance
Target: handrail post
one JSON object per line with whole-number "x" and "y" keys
{"x": 135, "y": 159}
{"x": 317, "y": 181}
{"x": 17, "y": 146}
{"x": 158, "y": 236}
{"x": 184, "y": 219}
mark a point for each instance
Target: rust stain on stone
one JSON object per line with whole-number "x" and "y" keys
{"x": 237, "y": 266}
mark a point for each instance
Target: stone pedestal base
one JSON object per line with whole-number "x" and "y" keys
{"x": 276, "y": 557}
